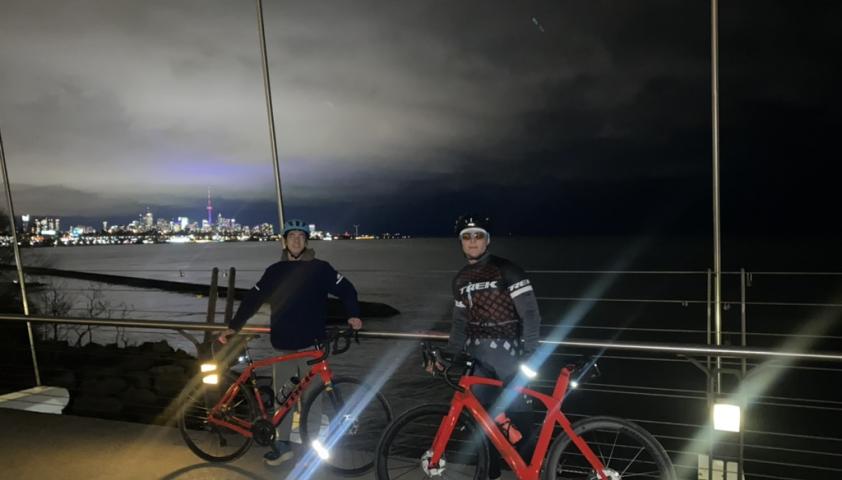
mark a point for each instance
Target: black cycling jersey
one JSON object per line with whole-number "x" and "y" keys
{"x": 494, "y": 300}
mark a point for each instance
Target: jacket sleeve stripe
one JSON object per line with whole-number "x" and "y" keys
{"x": 518, "y": 285}
{"x": 521, "y": 291}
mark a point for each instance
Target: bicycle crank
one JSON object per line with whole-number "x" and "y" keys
{"x": 263, "y": 432}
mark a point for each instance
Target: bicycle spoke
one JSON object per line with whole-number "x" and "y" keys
{"x": 613, "y": 445}
{"x": 631, "y": 462}
{"x": 632, "y": 452}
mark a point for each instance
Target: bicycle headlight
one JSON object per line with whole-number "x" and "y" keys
{"x": 321, "y": 450}
{"x": 526, "y": 370}
{"x": 209, "y": 370}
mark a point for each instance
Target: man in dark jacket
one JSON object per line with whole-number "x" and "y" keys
{"x": 496, "y": 321}
{"x": 296, "y": 288}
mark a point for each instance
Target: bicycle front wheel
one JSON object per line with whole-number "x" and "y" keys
{"x": 347, "y": 417}
{"x": 625, "y": 449}
{"x": 211, "y": 442}
{"x": 406, "y": 446}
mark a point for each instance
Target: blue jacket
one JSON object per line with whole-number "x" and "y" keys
{"x": 297, "y": 293}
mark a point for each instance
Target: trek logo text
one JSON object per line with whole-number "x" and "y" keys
{"x": 473, "y": 287}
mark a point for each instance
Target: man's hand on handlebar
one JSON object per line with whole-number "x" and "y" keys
{"x": 223, "y": 336}
{"x": 355, "y": 323}
{"x": 433, "y": 367}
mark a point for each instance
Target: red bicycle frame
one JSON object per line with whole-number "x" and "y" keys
{"x": 243, "y": 426}
{"x": 465, "y": 399}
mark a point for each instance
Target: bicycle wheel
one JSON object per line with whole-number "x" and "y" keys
{"x": 348, "y": 418}
{"x": 626, "y": 450}
{"x": 405, "y": 447}
{"x": 212, "y": 442}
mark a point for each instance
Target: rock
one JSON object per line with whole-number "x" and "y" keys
{"x": 169, "y": 387}
{"x": 139, "y": 379}
{"x": 167, "y": 370}
{"x": 103, "y": 386}
{"x": 157, "y": 348}
{"x": 136, "y": 363}
{"x": 60, "y": 378}
{"x": 138, "y": 398}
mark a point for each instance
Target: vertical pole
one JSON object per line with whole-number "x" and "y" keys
{"x": 212, "y": 294}
{"x": 18, "y": 262}
{"x": 743, "y": 342}
{"x": 270, "y": 112}
{"x": 743, "y": 330}
{"x": 717, "y": 251}
{"x": 709, "y": 312}
{"x": 229, "y": 295}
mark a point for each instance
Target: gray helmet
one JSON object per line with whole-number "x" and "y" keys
{"x": 296, "y": 225}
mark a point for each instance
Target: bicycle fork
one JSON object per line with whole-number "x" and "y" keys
{"x": 583, "y": 447}
{"x": 448, "y": 424}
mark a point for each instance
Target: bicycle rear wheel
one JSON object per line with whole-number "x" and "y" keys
{"x": 406, "y": 444}
{"x": 625, "y": 449}
{"x": 347, "y": 418}
{"x": 212, "y": 442}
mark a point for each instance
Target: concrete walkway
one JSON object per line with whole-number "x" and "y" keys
{"x": 40, "y": 446}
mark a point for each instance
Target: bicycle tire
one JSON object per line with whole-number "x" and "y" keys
{"x": 352, "y": 450}
{"x": 211, "y": 442}
{"x": 409, "y": 437}
{"x": 622, "y": 446}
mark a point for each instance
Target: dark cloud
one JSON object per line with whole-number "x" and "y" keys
{"x": 398, "y": 115}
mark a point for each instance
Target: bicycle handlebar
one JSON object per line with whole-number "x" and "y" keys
{"x": 586, "y": 365}
{"x": 430, "y": 354}
{"x": 330, "y": 346}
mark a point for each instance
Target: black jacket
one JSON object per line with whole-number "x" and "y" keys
{"x": 297, "y": 293}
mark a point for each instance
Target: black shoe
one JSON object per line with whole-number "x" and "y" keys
{"x": 280, "y": 453}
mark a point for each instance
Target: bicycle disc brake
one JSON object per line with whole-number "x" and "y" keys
{"x": 263, "y": 432}
{"x": 610, "y": 473}
{"x": 425, "y": 465}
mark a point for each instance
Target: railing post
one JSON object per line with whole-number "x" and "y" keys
{"x": 743, "y": 363}
{"x": 212, "y": 294}
{"x": 229, "y": 295}
{"x": 18, "y": 262}
{"x": 709, "y": 311}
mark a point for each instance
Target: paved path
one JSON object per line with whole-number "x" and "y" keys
{"x": 45, "y": 446}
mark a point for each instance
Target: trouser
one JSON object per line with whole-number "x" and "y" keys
{"x": 281, "y": 374}
{"x": 500, "y": 359}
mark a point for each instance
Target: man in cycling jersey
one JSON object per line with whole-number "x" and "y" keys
{"x": 296, "y": 288}
{"x": 496, "y": 321}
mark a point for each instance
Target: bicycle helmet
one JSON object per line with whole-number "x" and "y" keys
{"x": 472, "y": 221}
{"x": 296, "y": 225}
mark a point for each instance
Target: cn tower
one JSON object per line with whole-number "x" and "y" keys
{"x": 210, "y": 209}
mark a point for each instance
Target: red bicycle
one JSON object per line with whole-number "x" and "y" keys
{"x": 446, "y": 441}
{"x": 223, "y": 414}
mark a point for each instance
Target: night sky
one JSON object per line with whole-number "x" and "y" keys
{"x": 556, "y": 117}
